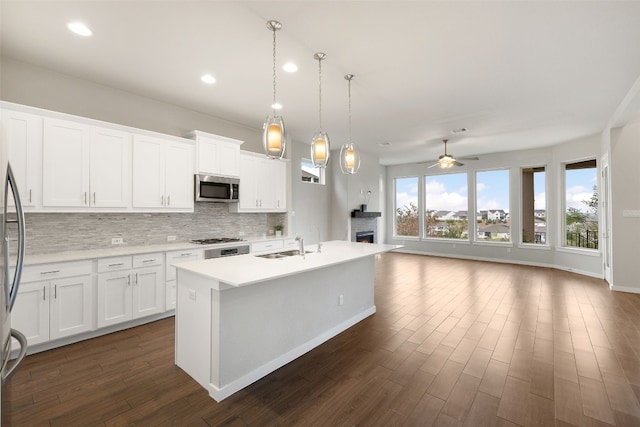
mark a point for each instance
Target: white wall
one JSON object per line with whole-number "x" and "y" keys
{"x": 625, "y": 194}
{"x": 26, "y": 84}
{"x": 585, "y": 262}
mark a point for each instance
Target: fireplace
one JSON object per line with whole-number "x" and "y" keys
{"x": 365, "y": 236}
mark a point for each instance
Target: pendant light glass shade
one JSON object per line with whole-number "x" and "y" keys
{"x": 273, "y": 135}
{"x": 320, "y": 146}
{"x": 349, "y": 153}
{"x": 320, "y": 149}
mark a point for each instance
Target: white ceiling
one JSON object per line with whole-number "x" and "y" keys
{"x": 516, "y": 74}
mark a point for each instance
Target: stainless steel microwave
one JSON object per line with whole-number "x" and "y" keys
{"x": 217, "y": 189}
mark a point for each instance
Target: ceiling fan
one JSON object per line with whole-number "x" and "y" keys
{"x": 446, "y": 160}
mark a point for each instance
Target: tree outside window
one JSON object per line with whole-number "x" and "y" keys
{"x": 581, "y": 205}
{"x": 406, "y": 206}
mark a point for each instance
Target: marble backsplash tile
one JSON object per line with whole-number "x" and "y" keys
{"x": 55, "y": 232}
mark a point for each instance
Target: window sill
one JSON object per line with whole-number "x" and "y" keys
{"x": 578, "y": 251}
{"x": 534, "y": 246}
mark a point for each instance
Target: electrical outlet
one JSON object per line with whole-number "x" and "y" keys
{"x": 171, "y": 238}
{"x": 240, "y": 233}
{"x": 117, "y": 241}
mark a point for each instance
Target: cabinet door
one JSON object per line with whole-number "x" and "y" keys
{"x": 148, "y": 172}
{"x": 148, "y": 291}
{"x": 110, "y": 167}
{"x": 230, "y": 159}
{"x": 280, "y": 184}
{"x": 30, "y": 314}
{"x": 208, "y": 156}
{"x": 266, "y": 184}
{"x": 114, "y": 298}
{"x": 249, "y": 166}
{"x": 179, "y": 176}
{"x": 71, "y": 306}
{"x": 65, "y": 164}
{"x": 23, "y": 134}
{"x": 170, "y": 297}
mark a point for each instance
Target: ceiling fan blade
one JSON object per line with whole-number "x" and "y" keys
{"x": 457, "y": 163}
{"x": 427, "y": 161}
{"x": 433, "y": 165}
{"x": 469, "y": 158}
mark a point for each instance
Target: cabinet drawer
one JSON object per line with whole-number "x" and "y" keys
{"x": 33, "y": 273}
{"x": 147, "y": 260}
{"x": 291, "y": 243}
{"x": 114, "y": 264}
{"x": 180, "y": 256}
{"x": 266, "y": 246}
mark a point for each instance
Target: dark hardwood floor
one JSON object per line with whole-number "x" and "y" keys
{"x": 453, "y": 343}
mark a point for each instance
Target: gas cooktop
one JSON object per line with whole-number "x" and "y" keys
{"x": 213, "y": 241}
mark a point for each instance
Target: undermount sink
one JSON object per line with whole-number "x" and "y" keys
{"x": 280, "y": 255}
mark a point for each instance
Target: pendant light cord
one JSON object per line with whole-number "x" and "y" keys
{"x": 349, "y": 85}
{"x": 274, "y": 72}
{"x": 320, "y": 91}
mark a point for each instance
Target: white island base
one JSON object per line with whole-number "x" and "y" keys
{"x": 230, "y": 334}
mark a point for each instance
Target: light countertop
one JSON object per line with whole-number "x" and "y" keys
{"x": 249, "y": 269}
{"x": 123, "y": 250}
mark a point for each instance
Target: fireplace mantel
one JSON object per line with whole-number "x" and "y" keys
{"x": 366, "y": 214}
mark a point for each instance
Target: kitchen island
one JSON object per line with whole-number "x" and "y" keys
{"x": 242, "y": 317}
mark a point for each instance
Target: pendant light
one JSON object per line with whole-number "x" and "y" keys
{"x": 349, "y": 153}
{"x": 273, "y": 136}
{"x": 320, "y": 148}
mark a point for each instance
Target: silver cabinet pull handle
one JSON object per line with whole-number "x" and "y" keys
{"x": 94, "y": 197}
{"x": 50, "y": 272}
{"x": 136, "y": 282}
{"x": 116, "y": 265}
{"x": 189, "y": 254}
{"x": 55, "y": 291}
{"x": 85, "y": 197}
{"x": 169, "y": 200}
{"x": 29, "y": 195}
{"x": 162, "y": 200}
{"x": 44, "y": 293}
{"x": 148, "y": 260}
{"x": 128, "y": 279}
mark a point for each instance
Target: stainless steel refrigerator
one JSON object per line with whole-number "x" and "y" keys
{"x": 13, "y": 240}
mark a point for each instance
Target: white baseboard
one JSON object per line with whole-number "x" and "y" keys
{"x": 218, "y": 394}
{"x": 503, "y": 261}
{"x": 630, "y": 289}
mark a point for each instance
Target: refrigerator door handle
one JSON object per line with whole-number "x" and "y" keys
{"x": 13, "y": 364}
{"x": 11, "y": 290}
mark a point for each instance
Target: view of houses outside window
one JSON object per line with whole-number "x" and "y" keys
{"x": 492, "y": 203}
{"x": 446, "y": 204}
{"x": 406, "y": 220}
{"x": 581, "y": 204}
{"x": 310, "y": 173}
{"x": 534, "y": 202}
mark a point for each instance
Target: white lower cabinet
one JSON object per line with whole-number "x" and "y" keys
{"x": 129, "y": 287}
{"x": 55, "y": 306}
{"x": 175, "y": 257}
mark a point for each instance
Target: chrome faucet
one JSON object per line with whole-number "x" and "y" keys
{"x": 319, "y": 244}
{"x": 301, "y": 245}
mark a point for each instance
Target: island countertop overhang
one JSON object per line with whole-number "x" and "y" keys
{"x": 244, "y": 270}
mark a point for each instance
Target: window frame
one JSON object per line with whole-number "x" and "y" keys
{"x": 521, "y": 243}
{"x": 476, "y": 209}
{"x": 395, "y": 208}
{"x": 561, "y": 239}
{"x": 423, "y": 213}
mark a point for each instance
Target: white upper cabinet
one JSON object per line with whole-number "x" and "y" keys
{"x": 110, "y": 168}
{"x": 85, "y": 166}
{"x": 23, "y": 135}
{"x": 216, "y": 155}
{"x": 263, "y": 184}
{"x": 162, "y": 174}
{"x": 65, "y": 168}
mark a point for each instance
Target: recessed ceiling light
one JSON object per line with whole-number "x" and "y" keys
{"x": 461, "y": 130}
{"x": 79, "y": 28}
{"x": 208, "y": 79}
{"x": 276, "y": 106}
{"x": 290, "y": 67}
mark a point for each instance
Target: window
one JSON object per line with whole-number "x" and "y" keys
{"x": 310, "y": 173}
{"x": 534, "y": 201}
{"x": 446, "y": 204}
{"x": 492, "y": 203}
{"x": 406, "y": 206}
{"x": 581, "y": 205}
